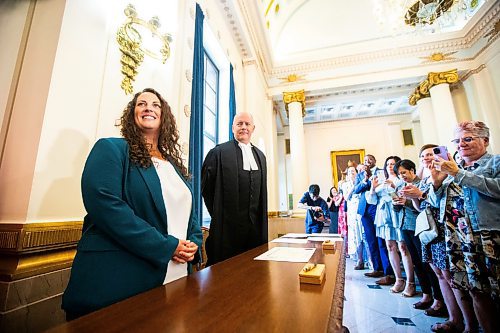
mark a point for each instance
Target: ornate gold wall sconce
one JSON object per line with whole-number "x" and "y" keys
{"x": 133, "y": 47}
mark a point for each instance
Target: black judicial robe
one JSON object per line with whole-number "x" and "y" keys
{"x": 220, "y": 187}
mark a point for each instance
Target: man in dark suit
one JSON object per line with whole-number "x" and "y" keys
{"x": 378, "y": 249}
{"x": 234, "y": 187}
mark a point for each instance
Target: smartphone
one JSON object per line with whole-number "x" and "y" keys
{"x": 394, "y": 195}
{"x": 381, "y": 176}
{"x": 441, "y": 151}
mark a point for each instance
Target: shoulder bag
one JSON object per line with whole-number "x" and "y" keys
{"x": 426, "y": 227}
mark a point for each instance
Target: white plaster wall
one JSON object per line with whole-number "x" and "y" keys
{"x": 85, "y": 98}
{"x": 260, "y": 106}
{"x": 372, "y": 134}
{"x": 12, "y": 21}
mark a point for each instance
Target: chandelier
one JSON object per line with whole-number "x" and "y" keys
{"x": 401, "y": 16}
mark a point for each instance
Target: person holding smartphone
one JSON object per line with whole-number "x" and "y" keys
{"x": 387, "y": 224}
{"x": 378, "y": 249}
{"x": 478, "y": 241}
{"x": 456, "y": 306}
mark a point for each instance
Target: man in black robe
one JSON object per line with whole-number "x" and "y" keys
{"x": 234, "y": 187}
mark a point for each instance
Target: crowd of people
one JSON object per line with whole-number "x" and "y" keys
{"x": 141, "y": 228}
{"x": 377, "y": 212}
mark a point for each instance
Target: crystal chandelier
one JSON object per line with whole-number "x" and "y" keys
{"x": 400, "y": 16}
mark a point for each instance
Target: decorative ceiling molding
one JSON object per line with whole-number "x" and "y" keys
{"x": 257, "y": 34}
{"x": 472, "y": 72}
{"x": 234, "y": 24}
{"x": 486, "y": 23}
{"x": 447, "y": 46}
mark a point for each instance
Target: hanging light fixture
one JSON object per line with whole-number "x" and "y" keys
{"x": 400, "y": 16}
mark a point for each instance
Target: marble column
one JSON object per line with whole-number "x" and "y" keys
{"x": 442, "y": 104}
{"x": 460, "y": 102}
{"x": 396, "y": 138}
{"x": 427, "y": 123}
{"x": 295, "y": 107}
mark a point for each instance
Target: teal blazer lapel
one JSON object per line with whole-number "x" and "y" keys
{"x": 153, "y": 182}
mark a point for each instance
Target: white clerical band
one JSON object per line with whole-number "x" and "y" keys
{"x": 249, "y": 162}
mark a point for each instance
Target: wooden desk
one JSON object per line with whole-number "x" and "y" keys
{"x": 237, "y": 295}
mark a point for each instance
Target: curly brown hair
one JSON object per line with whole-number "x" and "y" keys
{"x": 168, "y": 138}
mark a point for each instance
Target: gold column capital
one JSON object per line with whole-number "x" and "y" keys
{"x": 295, "y": 96}
{"x": 442, "y": 77}
{"x": 421, "y": 91}
{"x": 433, "y": 79}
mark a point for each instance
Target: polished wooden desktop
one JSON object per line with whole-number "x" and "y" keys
{"x": 238, "y": 295}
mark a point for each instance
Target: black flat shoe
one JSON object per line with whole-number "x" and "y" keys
{"x": 422, "y": 305}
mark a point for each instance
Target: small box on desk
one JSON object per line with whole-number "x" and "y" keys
{"x": 312, "y": 274}
{"x": 328, "y": 245}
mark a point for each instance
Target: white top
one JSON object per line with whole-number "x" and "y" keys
{"x": 249, "y": 162}
{"x": 178, "y": 201}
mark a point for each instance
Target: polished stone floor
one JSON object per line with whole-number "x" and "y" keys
{"x": 371, "y": 309}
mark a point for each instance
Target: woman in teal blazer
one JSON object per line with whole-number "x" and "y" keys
{"x": 126, "y": 247}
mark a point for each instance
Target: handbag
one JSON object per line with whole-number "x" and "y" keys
{"x": 426, "y": 226}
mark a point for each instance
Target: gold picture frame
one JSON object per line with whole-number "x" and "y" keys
{"x": 340, "y": 160}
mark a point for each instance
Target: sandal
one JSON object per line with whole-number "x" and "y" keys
{"x": 399, "y": 286}
{"x": 420, "y": 305}
{"x": 410, "y": 290}
{"x": 441, "y": 312}
{"x": 447, "y": 326}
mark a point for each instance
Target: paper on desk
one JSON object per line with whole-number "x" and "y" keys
{"x": 295, "y": 235}
{"x": 321, "y": 239}
{"x": 290, "y": 254}
{"x": 289, "y": 240}
{"x": 316, "y": 234}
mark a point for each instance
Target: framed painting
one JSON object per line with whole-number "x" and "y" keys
{"x": 341, "y": 159}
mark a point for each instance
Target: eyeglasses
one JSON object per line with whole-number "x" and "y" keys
{"x": 467, "y": 139}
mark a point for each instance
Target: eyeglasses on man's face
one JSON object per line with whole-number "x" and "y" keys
{"x": 467, "y": 139}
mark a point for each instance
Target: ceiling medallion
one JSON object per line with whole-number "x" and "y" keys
{"x": 292, "y": 78}
{"x": 438, "y": 56}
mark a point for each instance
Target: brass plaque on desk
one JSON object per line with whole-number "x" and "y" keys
{"x": 328, "y": 245}
{"x": 312, "y": 274}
